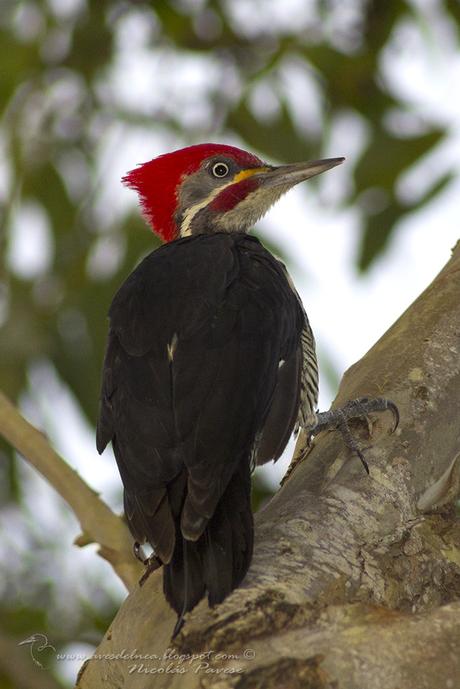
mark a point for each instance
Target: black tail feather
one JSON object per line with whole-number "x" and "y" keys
{"x": 217, "y": 562}
{"x": 182, "y": 578}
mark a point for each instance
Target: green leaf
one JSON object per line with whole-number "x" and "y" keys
{"x": 387, "y": 156}
{"x": 287, "y": 146}
{"x": 377, "y": 232}
{"x": 380, "y": 227}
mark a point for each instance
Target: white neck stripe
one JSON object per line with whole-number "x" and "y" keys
{"x": 185, "y": 228}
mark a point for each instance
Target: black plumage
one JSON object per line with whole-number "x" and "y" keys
{"x": 202, "y": 378}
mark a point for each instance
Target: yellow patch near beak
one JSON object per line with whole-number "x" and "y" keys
{"x": 244, "y": 174}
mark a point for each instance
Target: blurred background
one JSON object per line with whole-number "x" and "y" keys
{"x": 90, "y": 89}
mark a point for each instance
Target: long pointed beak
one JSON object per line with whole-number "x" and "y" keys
{"x": 289, "y": 175}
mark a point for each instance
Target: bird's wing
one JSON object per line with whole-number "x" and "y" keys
{"x": 197, "y": 333}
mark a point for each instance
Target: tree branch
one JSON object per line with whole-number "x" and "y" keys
{"x": 350, "y": 582}
{"x": 99, "y": 524}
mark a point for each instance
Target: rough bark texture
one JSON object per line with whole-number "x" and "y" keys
{"x": 355, "y": 582}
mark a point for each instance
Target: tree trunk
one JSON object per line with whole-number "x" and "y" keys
{"x": 355, "y": 580}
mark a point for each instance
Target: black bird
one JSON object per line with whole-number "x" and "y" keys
{"x": 210, "y": 365}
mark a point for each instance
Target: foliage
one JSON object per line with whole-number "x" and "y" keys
{"x": 274, "y": 83}
{"x": 60, "y": 103}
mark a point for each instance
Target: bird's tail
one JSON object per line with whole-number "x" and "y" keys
{"x": 217, "y": 562}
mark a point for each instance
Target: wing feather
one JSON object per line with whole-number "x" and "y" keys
{"x": 188, "y": 417}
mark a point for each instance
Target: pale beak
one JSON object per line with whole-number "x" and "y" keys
{"x": 289, "y": 175}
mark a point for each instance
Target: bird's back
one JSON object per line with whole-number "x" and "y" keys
{"x": 202, "y": 378}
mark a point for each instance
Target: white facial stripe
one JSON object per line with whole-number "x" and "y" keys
{"x": 244, "y": 214}
{"x": 185, "y": 229}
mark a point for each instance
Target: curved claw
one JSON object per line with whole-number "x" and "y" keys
{"x": 338, "y": 419}
{"x": 394, "y": 409}
{"x": 152, "y": 563}
{"x": 378, "y": 404}
{"x": 363, "y": 461}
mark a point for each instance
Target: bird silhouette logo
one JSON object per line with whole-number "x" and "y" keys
{"x": 37, "y": 643}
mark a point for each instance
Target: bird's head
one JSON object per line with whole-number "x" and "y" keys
{"x": 213, "y": 188}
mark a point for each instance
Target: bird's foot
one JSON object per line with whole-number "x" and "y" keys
{"x": 338, "y": 419}
{"x": 150, "y": 563}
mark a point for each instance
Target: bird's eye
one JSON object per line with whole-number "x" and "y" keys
{"x": 220, "y": 169}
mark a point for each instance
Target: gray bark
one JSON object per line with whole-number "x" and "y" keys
{"x": 355, "y": 582}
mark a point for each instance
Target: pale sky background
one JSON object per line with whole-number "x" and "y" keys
{"x": 348, "y": 312}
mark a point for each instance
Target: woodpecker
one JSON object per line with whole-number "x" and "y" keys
{"x": 210, "y": 365}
